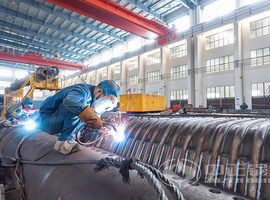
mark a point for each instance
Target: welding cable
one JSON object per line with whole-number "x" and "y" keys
{"x": 166, "y": 182}
{"x": 84, "y": 128}
{"x": 77, "y": 136}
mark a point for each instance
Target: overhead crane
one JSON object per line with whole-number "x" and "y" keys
{"x": 113, "y": 14}
{"x": 37, "y": 59}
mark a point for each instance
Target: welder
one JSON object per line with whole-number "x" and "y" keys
{"x": 66, "y": 110}
{"x": 18, "y": 113}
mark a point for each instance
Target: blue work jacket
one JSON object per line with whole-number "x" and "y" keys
{"x": 74, "y": 98}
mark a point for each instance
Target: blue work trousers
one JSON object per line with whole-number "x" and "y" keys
{"x": 61, "y": 121}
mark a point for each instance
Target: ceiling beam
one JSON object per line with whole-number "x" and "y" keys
{"x": 145, "y": 8}
{"x": 45, "y": 36}
{"x": 33, "y": 42}
{"x": 67, "y": 17}
{"x": 19, "y": 15}
{"x": 41, "y": 27}
{"x": 118, "y": 16}
{"x": 21, "y": 46}
{"x": 185, "y": 3}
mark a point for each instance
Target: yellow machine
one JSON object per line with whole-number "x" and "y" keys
{"x": 42, "y": 79}
{"x": 142, "y": 102}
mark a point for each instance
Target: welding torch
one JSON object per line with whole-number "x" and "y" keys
{"x": 105, "y": 124}
{"x": 84, "y": 129}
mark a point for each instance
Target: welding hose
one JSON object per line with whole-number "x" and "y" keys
{"x": 84, "y": 128}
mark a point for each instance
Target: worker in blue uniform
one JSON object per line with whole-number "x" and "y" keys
{"x": 67, "y": 109}
{"x": 21, "y": 112}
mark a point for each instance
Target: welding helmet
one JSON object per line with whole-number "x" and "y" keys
{"x": 28, "y": 101}
{"x": 103, "y": 104}
{"x": 110, "y": 87}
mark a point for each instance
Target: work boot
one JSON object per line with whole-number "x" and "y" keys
{"x": 66, "y": 147}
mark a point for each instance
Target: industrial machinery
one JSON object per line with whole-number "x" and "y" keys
{"x": 42, "y": 79}
{"x": 142, "y": 102}
{"x": 202, "y": 157}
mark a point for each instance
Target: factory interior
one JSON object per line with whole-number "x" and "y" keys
{"x": 134, "y": 99}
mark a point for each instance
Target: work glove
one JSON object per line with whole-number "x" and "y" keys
{"x": 25, "y": 117}
{"x": 88, "y": 116}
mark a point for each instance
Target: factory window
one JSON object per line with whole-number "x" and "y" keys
{"x": 178, "y": 72}
{"x": 133, "y": 80}
{"x": 134, "y": 44}
{"x": 181, "y": 24}
{"x": 133, "y": 64}
{"x": 20, "y": 74}
{"x": 220, "y": 39}
{"x": 178, "y": 51}
{"x": 106, "y": 55}
{"x": 260, "y": 89}
{"x": 220, "y": 92}
{"x": 95, "y": 60}
{"x": 247, "y": 2}
{"x": 213, "y": 10}
{"x": 153, "y": 76}
{"x": 69, "y": 81}
{"x": 153, "y": 58}
{"x": 6, "y": 73}
{"x": 148, "y": 41}
{"x": 220, "y": 64}
{"x": 5, "y": 83}
{"x": 179, "y": 94}
{"x": 104, "y": 72}
{"x": 38, "y": 94}
{"x": 117, "y": 69}
{"x": 93, "y": 76}
{"x": 118, "y": 50}
{"x": 154, "y": 93}
{"x": 260, "y": 27}
{"x": 118, "y": 81}
{"x": 260, "y": 56}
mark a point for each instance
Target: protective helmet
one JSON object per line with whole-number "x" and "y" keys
{"x": 110, "y": 87}
{"x": 28, "y": 101}
{"x": 210, "y": 107}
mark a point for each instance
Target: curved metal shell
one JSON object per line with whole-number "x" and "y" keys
{"x": 229, "y": 156}
{"x": 227, "y": 153}
{"x": 68, "y": 181}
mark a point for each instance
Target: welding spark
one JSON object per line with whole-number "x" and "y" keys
{"x": 30, "y": 125}
{"x": 119, "y": 134}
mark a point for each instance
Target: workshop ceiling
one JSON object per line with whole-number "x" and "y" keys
{"x": 42, "y": 27}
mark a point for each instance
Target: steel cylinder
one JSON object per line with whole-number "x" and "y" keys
{"x": 68, "y": 182}
{"x": 52, "y": 71}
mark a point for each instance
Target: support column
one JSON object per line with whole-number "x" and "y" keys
{"x": 191, "y": 72}
{"x": 141, "y": 73}
{"x": 194, "y": 61}
{"x": 164, "y": 71}
{"x": 123, "y": 68}
{"x": 199, "y": 93}
{"x": 98, "y": 76}
{"x": 238, "y": 71}
{"x": 110, "y": 70}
